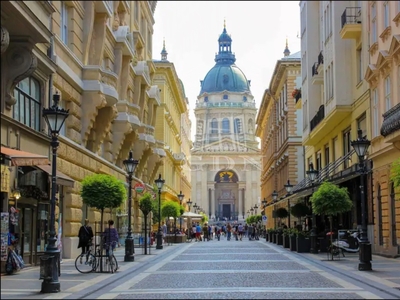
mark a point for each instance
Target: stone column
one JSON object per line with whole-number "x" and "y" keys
{"x": 212, "y": 203}
{"x": 240, "y": 210}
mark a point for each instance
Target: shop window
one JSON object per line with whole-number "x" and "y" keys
{"x": 393, "y": 214}
{"x": 380, "y": 218}
{"x": 225, "y": 125}
{"x": 27, "y": 108}
{"x": 42, "y": 227}
{"x": 214, "y": 126}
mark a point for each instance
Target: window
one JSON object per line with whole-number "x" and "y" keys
{"x": 244, "y": 98}
{"x": 375, "y": 111}
{"x": 225, "y": 125}
{"x": 359, "y": 66}
{"x": 214, "y": 126}
{"x": 319, "y": 161}
{"x": 386, "y": 14}
{"x": 346, "y": 146}
{"x": 27, "y": 109}
{"x": 398, "y": 7}
{"x": 362, "y": 124}
{"x": 237, "y": 126}
{"x": 374, "y": 35}
{"x": 387, "y": 93}
{"x": 326, "y": 154}
{"x": 64, "y": 22}
{"x": 206, "y": 99}
{"x": 225, "y": 97}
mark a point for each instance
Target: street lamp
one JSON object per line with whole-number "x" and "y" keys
{"x": 251, "y": 209}
{"x": 274, "y": 200}
{"x": 195, "y": 207}
{"x": 189, "y": 203}
{"x": 255, "y": 209}
{"x": 180, "y": 197}
{"x": 365, "y": 256}
{"x": 159, "y": 183}
{"x": 55, "y": 117}
{"x": 312, "y": 175}
{"x": 130, "y": 166}
{"x": 288, "y": 187}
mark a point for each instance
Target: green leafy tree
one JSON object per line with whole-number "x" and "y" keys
{"x": 146, "y": 206}
{"x": 204, "y": 218}
{"x": 395, "y": 173}
{"x": 331, "y": 200}
{"x": 103, "y": 191}
{"x": 281, "y": 213}
{"x": 300, "y": 210}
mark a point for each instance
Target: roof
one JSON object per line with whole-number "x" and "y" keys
{"x": 294, "y": 56}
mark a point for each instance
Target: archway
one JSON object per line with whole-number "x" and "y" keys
{"x": 226, "y": 195}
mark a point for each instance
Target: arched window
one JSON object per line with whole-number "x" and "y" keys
{"x": 27, "y": 108}
{"x": 214, "y": 126}
{"x": 393, "y": 214}
{"x": 225, "y": 97}
{"x": 380, "y": 218}
{"x": 225, "y": 126}
{"x": 237, "y": 126}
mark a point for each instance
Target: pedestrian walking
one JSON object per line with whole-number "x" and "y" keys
{"x": 85, "y": 237}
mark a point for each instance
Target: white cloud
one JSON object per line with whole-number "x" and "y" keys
{"x": 258, "y": 30}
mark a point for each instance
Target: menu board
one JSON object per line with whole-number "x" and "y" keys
{"x": 4, "y": 235}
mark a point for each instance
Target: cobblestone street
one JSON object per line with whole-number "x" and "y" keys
{"x": 220, "y": 270}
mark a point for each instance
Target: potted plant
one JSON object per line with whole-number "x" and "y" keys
{"x": 273, "y": 235}
{"x": 286, "y": 233}
{"x": 331, "y": 200}
{"x": 279, "y": 236}
{"x": 299, "y": 210}
{"x": 292, "y": 239}
{"x": 303, "y": 242}
{"x": 296, "y": 94}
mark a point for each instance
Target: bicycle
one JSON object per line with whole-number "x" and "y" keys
{"x": 111, "y": 261}
{"x": 87, "y": 266}
{"x": 92, "y": 261}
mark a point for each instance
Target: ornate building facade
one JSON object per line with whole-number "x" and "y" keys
{"x": 225, "y": 157}
{"x": 97, "y": 55}
{"x": 279, "y": 123}
{"x": 173, "y": 127}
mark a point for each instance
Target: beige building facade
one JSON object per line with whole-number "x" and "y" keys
{"x": 98, "y": 56}
{"x": 279, "y": 122}
{"x": 225, "y": 158}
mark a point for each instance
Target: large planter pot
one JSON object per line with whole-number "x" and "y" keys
{"x": 274, "y": 238}
{"x": 266, "y": 237}
{"x": 303, "y": 244}
{"x": 292, "y": 243}
{"x": 323, "y": 244}
{"x": 279, "y": 239}
{"x": 286, "y": 241}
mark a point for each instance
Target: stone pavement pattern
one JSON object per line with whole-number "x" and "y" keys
{"x": 230, "y": 270}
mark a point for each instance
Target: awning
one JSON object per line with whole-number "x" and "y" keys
{"x": 22, "y": 158}
{"x": 62, "y": 179}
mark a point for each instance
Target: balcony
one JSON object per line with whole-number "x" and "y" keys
{"x": 225, "y": 104}
{"x": 351, "y": 23}
{"x": 319, "y": 116}
{"x": 142, "y": 70}
{"x": 317, "y": 78}
{"x": 391, "y": 124}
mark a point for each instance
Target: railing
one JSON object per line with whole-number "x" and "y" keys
{"x": 391, "y": 120}
{"x": 351, "y": 15}
{"x": 320, "y": 59}
{"x": 225, "y": 104}
{"x": 320, "y": 115}
{"x": 314, "y": 69}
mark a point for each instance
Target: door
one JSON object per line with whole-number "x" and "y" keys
{"x": 26, "y": 233}
{"x": 226, "y": 211}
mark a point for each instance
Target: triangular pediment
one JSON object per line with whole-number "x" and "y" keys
{"x": 382, "y": 58}
{"x": 395, "y": 44}
{"x": 229, "y": 145}
{"x": 371, "y": 73}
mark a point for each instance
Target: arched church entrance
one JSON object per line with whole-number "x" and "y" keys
{"x": 227, "y": 195}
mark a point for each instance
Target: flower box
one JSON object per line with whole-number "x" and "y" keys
{"x": 303, "y": 244}
{"x": 279, "y": 239}
{"x": 286, "y": 242}
{"x": 292, "y": 242}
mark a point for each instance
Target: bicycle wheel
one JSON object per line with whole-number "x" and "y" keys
{"x": 113, "y": 264}
{"x": 85, "y": 263}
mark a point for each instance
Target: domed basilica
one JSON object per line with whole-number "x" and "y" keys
{"x": 225, "y": 158}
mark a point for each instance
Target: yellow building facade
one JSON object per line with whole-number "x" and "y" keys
{"x": 173, "y": 127}
{"x": 383, "y": 76}
{"x": 97, "y": 55}
{"x": 279, "y": 128}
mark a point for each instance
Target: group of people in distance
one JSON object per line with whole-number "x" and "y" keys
{"x": 209, "y": 232}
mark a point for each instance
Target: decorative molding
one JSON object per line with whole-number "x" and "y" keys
{"x": 5, "y": 39}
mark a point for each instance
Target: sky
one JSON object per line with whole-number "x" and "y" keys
{"x": 258, "y": 30}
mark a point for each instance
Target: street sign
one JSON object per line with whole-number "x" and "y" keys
{"x": 139, "y": 187}
{"x": 264, "y": 220}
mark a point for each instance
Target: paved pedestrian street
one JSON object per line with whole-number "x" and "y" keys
{"x": 221, "y": 270}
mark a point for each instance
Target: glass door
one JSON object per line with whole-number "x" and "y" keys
{"x": 26, "y": 234}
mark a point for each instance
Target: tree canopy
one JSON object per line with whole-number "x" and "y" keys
{"x": 281, "y": 213}
{"x": 146, "y": 203}
{"x": 299, "y": 210}
{"x": 170, "y": 209}
{"x": 103, "y": 191}
{"x": 330, "y": 200}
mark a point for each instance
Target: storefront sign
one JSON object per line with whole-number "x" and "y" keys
{"x": 139, "y": 187}
{"x": 5, "y": 179}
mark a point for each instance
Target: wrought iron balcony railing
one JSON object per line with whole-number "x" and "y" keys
{"x": 351, "y": 15}
{"x": 320, "y": 58}
{"x": 319, "y": 116}
{"x": 391, "y": 120}
{"x": 314, "y": 69}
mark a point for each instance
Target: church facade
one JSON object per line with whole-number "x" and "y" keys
{"x": 225, "y": 156}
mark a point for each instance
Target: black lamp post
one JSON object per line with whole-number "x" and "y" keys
{"x": 312, "y": 175}
{"x": 365, "y": 256}
{"x": 159, "y": 182}
{"x": 274, "y": 200}
{"x": 55, "y": 117}
{"x": 289, "y": 189}
{"x": 180, "y": 197}
{"x": 255, "y": 209}
{"x": 251, "y": 210}
{"x": 195, "y": 207}
{"x": 130, "y": 166}
{"x": 189, "y": 203}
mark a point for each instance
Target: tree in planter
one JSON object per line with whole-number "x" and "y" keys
{"x": 102, "y": 191}
{"x": 395, "y": 173}
{"x": 170, "y": 209}
{"x": 331, "y": 200}
{"x": 300, "y": 210}
{"x": 281, "y": 213}
{"x": 146, "y": 206}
